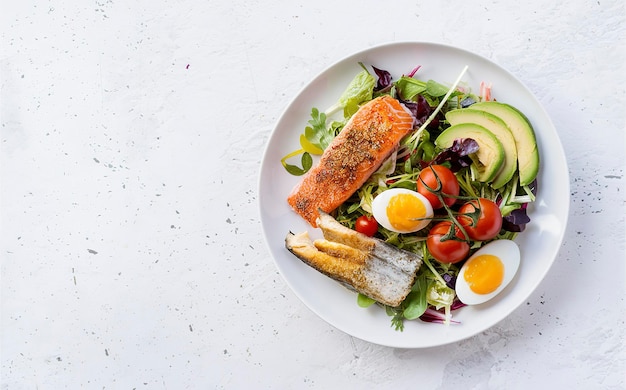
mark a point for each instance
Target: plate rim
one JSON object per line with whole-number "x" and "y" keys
{"x": 397, "y": 45}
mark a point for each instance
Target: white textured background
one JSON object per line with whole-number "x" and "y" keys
{"x": 131, "y": 247}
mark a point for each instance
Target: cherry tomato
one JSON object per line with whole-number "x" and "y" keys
{"x": 447, "y": 184}
{"x": 489, "y": 221}
{"x": 366, "y": 225}
{"x": 447, "y": 251}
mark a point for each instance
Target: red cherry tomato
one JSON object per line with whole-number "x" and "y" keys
{"x": 366, "y": 225}
{"x": 489, "y": 221}
{"x": 450, "y": 250}
{"x": 440, "y": 179}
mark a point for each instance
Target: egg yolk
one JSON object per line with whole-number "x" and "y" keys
{"x": 404, "y": 211}
{"x": 484, "y": 274}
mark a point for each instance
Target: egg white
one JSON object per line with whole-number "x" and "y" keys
{"x": 379, "y": 209}
{"x": 508, "y": 252}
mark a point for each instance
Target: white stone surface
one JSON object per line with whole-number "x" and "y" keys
{"x": 131, "y": 247}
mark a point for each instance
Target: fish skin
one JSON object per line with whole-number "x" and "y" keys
{"x": 365, "y": 264}
{"x": 334, "y": 231}
{"x": 366, "y": 141}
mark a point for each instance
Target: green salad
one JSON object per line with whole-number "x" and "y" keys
{"x": 473, "y": 158}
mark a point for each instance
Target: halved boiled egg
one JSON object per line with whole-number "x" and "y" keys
{"x": 402, "y": 210}
{"x": 487, "y": 272}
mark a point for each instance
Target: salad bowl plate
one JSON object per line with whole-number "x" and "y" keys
{"x": 539, "y": 243}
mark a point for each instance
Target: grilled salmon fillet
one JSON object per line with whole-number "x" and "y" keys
{"x": 365, "y": 264}
{"x": 365, "y": 142}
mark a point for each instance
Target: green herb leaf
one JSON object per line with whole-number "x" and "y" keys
{"x": 306, "y": 160}
{"x": 415, "y": 304}
{"x": 409, "y": 87}
{"x": 318, "y": 134}
{"x": 364, "y": 300}
{"x": 358, "y": 91}
{"x": 351, "y": 107}
{"x": 435, "y": 89}
{"x": 397, "y": 318}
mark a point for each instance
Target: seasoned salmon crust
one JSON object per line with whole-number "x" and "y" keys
{"x": 365, "y": 142}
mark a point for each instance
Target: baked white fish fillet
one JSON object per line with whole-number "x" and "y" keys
{"x": 365, "y": 264}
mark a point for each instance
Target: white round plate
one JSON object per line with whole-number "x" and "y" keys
{"x": 539, "y": 243}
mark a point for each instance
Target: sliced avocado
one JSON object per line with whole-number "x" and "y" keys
{"x": 522, "y": 130}
{"x": 488, "y": 160}
{"x": 500, "y": 130}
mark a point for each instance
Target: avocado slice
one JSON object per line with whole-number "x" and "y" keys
{"x": 522, "y": 130}
{"x": 488, "y": 160}
{"x": 500, "y": 130}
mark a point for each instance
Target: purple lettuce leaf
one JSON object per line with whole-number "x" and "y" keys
{"x": 384, "y": 79}
{"x": 412, "y": 73}
{"x": 450, "y": 280}
{"x": 432, "y": 315}
{"x": 421, "y": 110}
{"x": 516, "y": 221}
{"x": 457, "y": 154}
{"x": 439, "y": 316}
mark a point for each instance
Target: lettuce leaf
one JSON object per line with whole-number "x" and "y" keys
{"x": 360, "y": 89}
